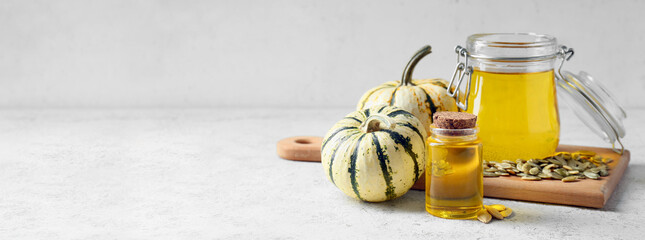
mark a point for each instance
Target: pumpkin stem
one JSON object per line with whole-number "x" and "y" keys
{"x": 407, "y": 72}
{"x": 377, "y": 122}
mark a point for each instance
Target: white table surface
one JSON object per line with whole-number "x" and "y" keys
{"x": 214, "y": 173}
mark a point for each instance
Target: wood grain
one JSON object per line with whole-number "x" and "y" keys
{"x": 586, "y": 193}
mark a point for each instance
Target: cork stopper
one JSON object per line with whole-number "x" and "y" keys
{"x": 454, "y": 120}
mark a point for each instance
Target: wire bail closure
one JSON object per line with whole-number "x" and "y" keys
{"x": 462, "y": 70}
{"x": 565, "y": 54}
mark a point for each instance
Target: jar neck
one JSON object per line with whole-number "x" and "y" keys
{"x": 512, "y": 66}
{"x": 454, "y": 135}
{"x": 512, "y": 52}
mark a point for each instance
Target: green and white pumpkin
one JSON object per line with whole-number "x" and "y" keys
{"x": 375, "y": 154}
{"x": 419, "y": 97}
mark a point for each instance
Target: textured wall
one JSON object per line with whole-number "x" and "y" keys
{"x": 280, "y": 53}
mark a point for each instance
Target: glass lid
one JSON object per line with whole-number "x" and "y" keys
{"x": 594, "y": 105}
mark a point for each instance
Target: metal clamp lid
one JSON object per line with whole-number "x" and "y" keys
{"x": 461, "y": 71}
{"x": 592, "y": 103}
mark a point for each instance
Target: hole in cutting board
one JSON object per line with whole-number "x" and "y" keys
{"x": 303, "y": 141}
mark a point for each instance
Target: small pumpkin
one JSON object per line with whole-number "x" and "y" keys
{"x": 419, "y": 97}
{"x": 375, "y": 154}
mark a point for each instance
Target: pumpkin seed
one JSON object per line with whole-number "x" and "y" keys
{"x": 533, "y": 163}
{"x": 491, "y": 169}
{"x": 555, "y": 175}
{"x": 490, "y": 174}
{"x": 506, "y": 212}
{"x": 603, "y": 172}
{"x": 584, "y": 153}
{"x": 570, "y": 179}
{"x": 544, "y": 175}
{"x": 566, "y": 156}
{"x": 561, "y": 160}
{"x": 591, "y": 175}
{"x": 562, "y": 172}
{"x": 531, "y": 178}
{"x": 505, "y": 165}
{"x": 574, "y": 172}
{"x": 534, "y": 171}
{"x": 547, "y": 169}
{"x": 567, "y": 167}
{"x": 572, "y": 163}
{"x": 494, "y": 212}
{"x": 498, "y": 207}
{"x": 484, "y": 216}
{"x": 526, "y": 168}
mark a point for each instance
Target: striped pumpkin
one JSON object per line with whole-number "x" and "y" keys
{"x": 375, "y": 154}
{"x": 419, "y": 97}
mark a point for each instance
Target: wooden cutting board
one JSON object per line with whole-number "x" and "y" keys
{"x": 586, "y": 193}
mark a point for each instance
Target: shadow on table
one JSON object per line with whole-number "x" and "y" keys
{"x": 412, "y": 201}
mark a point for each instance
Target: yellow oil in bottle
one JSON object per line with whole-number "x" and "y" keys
{"x": 517, "y": 114}
{"x": 454, "y": 178}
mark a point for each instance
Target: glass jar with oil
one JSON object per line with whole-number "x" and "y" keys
{"x": 509, "y": 84}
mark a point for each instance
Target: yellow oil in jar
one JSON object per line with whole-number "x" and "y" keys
{"x": 454, "y": 179}
{"x": 517, "y": 114}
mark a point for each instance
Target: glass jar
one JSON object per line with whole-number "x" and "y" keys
{"x": 511, "y": 89}
{"x": 454, "y": 178}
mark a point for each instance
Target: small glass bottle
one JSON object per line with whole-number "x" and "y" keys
{"x": 454, "y": 178}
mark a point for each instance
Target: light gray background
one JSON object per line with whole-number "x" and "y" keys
{"x": 281, "y": 53}
{"x": 102, "y": 135}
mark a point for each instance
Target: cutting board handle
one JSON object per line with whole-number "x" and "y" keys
{"x": 300, "y": 148}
